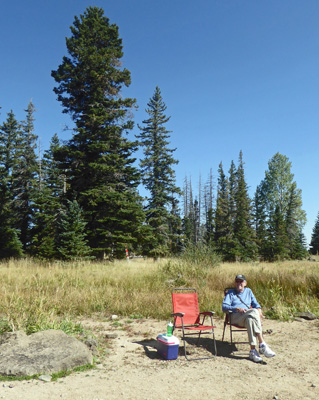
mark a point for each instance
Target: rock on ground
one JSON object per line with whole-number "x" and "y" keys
{"x": 43, "y": 352}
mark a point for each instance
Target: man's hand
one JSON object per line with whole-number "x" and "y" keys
{"x": 241, "y": 310}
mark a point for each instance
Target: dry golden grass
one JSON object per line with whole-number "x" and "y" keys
{"x": 37, "y": 295}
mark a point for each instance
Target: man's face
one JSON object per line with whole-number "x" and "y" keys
{"x": 240, "y": 285}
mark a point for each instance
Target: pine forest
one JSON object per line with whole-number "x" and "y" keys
{"x": 80, "y": 199}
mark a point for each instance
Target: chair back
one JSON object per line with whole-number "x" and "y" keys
{"x": 185, "y": 301}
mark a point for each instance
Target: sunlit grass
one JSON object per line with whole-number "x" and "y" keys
{"x": 36, "y": 296}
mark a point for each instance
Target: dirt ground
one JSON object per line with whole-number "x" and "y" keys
{"x": 129, "y": 367}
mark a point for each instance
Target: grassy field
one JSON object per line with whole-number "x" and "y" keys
{"x": 36, "y": 296}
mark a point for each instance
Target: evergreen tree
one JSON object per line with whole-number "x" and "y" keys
{"x": 209, "y": 211}
{"x": 71, "y": 238}
{"x": 232, "y": 189}
{"x": 282, "y": 207}
{"x": 10, "y": 244}
{"x": 175, "y": 229}
{"x": 297, "y": 248}
{"x": 260, "y": 220}
{"x": 24, "y": 177}
{"x": 277, "y": 230}
{"x": 98, "y": 159}
{"x": 223, "y": 229}
{"x": 158, "y": 174}
{"x": 48, "y": 200}
{"x": 314, "y": 244}
{"x": 244, "y": 234}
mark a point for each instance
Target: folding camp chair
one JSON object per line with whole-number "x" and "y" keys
{"x": 188, "y": 318}
{"x": 232, "y": 327}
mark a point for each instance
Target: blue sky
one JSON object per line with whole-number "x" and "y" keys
{"x": 234, "y": 74}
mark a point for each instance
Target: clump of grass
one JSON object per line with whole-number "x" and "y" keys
{"x": 64, "y": 373}
{"x": 41, "y": 323}
{"x": 55, "y": 376}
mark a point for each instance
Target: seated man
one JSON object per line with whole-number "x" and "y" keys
{"x": 246, "y": 312}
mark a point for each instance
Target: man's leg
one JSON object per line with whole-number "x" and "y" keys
{"x": 253, "y": 325}
{"x": 251, "y": 321}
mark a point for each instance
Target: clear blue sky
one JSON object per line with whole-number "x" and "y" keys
{"x": 234, "y": 74}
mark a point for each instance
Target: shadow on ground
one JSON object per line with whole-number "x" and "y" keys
{"x": 206, "y": 345}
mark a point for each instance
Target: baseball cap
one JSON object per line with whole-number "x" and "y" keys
{"x": 241, "y": 277}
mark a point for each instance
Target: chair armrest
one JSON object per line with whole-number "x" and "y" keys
{"x": 207, "y": 313}
{"x": 178, "y": 314}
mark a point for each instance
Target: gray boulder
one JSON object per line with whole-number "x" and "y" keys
{"x": 306, "y": 315}
{"x": 43, "y": 352}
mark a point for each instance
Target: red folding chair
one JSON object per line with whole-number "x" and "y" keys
{"x": 187, "y": 317}
{"x": 232, "y": 327}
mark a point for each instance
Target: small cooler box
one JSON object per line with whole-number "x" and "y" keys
{"x": 167, "y": 346}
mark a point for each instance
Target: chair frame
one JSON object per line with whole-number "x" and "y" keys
{"x": 232, "y": 327}
{"x": 201, "y": 328}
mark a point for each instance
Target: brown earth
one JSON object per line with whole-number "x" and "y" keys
{"x": 129, "y": 367}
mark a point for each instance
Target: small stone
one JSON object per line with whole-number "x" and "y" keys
{"x": 111, "y": 335}
{"x": 114, "y": 317}
{"x": 313, "y": 385}
{"x": 45, "y": 378}
{"x": 90, "y": 342}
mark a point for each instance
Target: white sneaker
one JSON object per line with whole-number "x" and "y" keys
{"x": 266, "y": 350}
{"x": 254, "y": 356}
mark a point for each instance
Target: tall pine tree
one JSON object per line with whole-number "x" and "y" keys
{"x": 10, "y": 244}
{"x": 98, "y": 159}
{"x": 159, "y": 176}
{"x": 25, "y": 177}
{"x": 244, "y": 234}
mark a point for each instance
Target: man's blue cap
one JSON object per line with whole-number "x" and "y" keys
{"x": 241, "y": 277}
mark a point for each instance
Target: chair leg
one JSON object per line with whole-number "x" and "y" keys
{"x": 198, "y": 338}
{"x": 215, "y": 347}
{"x": 184, "y": 340}
{"x": 185, "y": 348}
{"x": 231, "y": 331}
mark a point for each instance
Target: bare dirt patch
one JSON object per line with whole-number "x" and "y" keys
{"x": 129, "y": 367}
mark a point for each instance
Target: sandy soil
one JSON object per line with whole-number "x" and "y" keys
{"x": 129, "y": 367}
